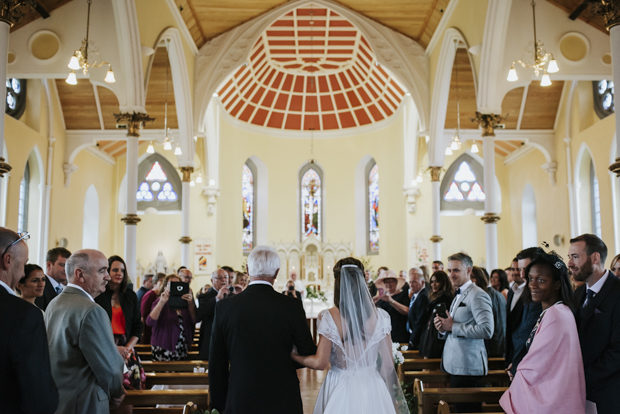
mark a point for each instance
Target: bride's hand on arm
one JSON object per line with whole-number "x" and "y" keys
{"x": 318, "y": 361}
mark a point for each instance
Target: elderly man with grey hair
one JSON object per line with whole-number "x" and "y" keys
{"x": 250, "y": 368}
{"x": 418, "y": 302}
{"x": 86, "y": 365}
{"x": 206, "y": 309}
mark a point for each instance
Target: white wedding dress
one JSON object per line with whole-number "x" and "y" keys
{"x": 360, "y": 375}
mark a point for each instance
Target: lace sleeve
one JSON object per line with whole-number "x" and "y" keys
{"x": 385, "y": 323}
{"x": 327, "y": 327}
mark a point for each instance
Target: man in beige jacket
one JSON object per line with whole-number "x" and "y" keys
{"x": 86, "y": 365}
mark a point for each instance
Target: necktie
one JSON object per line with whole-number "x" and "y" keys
{"x": 458, "y": 291}
{"x": 58, "y": 290}
{"x": 589, "y": 297}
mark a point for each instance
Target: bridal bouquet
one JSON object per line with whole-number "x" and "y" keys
{"x": 397, "y": 353}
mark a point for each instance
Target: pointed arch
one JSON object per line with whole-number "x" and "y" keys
{"x": 311, "y": 200}
{"x": 528, "y": 217}
{"x": 588, "y": 195}
{"x": 361, "y": 224}
{"x": 90, "y": 228}
{"x": 249, "y": 202}
{"x": 463, "y": 186}
{"x": 32, "y": 182}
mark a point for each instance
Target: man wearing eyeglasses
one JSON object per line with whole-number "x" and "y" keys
{"x": 56, "y": 279}
{"x": 206, "y": 309}
{"x": 26, "y": 383}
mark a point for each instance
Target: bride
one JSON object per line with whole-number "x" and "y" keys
{"x": 355, "y": 340}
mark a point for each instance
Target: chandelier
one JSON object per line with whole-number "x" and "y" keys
{"x": 79, "y": 60}
{"x": 168, "y": 138}
{"x": 544, "y": 62}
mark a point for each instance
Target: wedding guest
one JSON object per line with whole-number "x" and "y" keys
{"x": 615, "y": 265}
{"x": 173, "y": 329}
{"x": 496, "y": 346}
{"x": 241, "y": 281}
{"x": 437, "y": 265}
{"x": 32, "y": 285}
{"x": 185, "y": 275}
{"x": 499, "y": 282}
{"x": 123, "y": 309}
{"x": 206, "y": 310}
{"x": 425, "y": 272}
{"x": 395, "y": 301}
{"x": 147, "y": 284}
{"x": 299, "y": 285}
{"x": 550, "y": 377}
{"x": 146, "y": 304}
{"x": 418, "y": 302}
{"x": 441, "y": 292}
{"x": 56, "y": 277}
{"x": 290, "y": 290}
{"x": 370, "y": 283}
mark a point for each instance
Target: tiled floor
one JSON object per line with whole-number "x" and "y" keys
{"x": 310, "y": 383}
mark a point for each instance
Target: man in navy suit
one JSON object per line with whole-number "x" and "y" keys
{"x": 417, "y": 306}
{"x": 598, "y": 322}
{"x": 206, "y": 309}
{"x": 55, "y": 274}
{"x": 26, "y": 383}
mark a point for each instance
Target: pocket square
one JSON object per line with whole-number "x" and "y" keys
{"x": 462, "y": 304}
{"x": 596, "y": 311}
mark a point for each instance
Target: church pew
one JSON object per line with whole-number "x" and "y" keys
{"x": 493, "y": 377}
{"x": 173, "y": 366}
{"x": 444, "y": 408}
{"x": 147, "y": 356}
{"x": 429, "y": 398}
{"x": 176, "y": 378}
{"x": 147, "y": 347}
{"x": 150, "y": 398}
{"x": 156, "y": 410}
{"x": 434, "y": 364}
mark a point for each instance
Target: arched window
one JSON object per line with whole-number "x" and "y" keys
{"x": 248, "y": 194}
{"x": 311, "y": 200}
{"x": 603, "y": 98}
{"x": 159, "y": 185}
{"x": 528, "y": 218}
{"x": 24, "y": 193}
{"x": 463, "y": 185}
{"x": 595, "y": 201}
{"x": 588, "y": 197}
{"x": 373, "y": 207}
{"x": 15, "y": 103}
{"x": 90, "y": 229}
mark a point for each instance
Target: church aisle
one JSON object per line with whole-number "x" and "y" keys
{"x": 310, "y": 383}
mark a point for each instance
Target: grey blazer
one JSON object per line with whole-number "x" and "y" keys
{"x": 86, "y": 365}
{"x": 464, "y": 352}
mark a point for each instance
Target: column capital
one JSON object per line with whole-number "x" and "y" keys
{"x": 435, "y": 173}
{"x": 411, "y": 194}
{"x": 187, "y": 173}
{"x": 131, "y": 219}
{"x": 487, "y": 122}
{"x": 11, "y": 11}
{"x": 185, "y": 240}
{"x": 134, "y": 121}
{"x": 615, "y": 167}
{"x": 4, "y": 167}
{"x": 610, "y": 10}
{"x": 490, "y": 218}
{"x": 436, "y": 239}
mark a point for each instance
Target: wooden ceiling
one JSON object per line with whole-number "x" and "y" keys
{"x": 416, "y": 19}
{"x": 43, "y": 9}
{"x": 156, "y": 92}
{"x": 466, "y": 92}
{"x": 587, "y": 15}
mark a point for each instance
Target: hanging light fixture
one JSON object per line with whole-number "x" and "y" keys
{"x": 151, "y": 148}
{"x": 79, "y": 60}
{"x": 448, "y": 151}
{"x": 199, "y": 178}
{"x": 474, "y": 147}
{"x": 177, "y": 150}
{"x": 544, "y": 62}
{"x": 192, "y": 183}
{"x": 456, "y": 139}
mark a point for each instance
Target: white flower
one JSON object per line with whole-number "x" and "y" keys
{"x": 404, "y": 348}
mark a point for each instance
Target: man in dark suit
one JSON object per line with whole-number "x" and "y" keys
{"x": 417, "y": 306}
{"x": 254, "y": 333}
{"x": 521, "y": 318}
{"x": 598, "y": 322}
{"x": 56, "y": 277}
{"x": 206, "y": 309}
{"x": 26, "y": 383}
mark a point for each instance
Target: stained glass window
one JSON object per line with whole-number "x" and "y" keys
{"x": 24, "y": 190}
{"x": 373, "y": 209}
{"x": 603, "y": 98}
{"x": 311, "y": 203}
{"x": 156, "y": 186}
{"x": 464, "y": 186}
{"x": 15, "y": 102}
{"x": 247, "y": 192}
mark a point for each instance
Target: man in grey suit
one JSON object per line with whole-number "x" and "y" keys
{"x": 469, "y": 323}
{"x": 86, "y": 364}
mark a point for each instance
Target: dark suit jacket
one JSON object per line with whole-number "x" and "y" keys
{"x": 26, "y": 383}
{"x": 599, "y": 334}
{"x": 48, "y": 294}
{"x": 254, "y": 332}
{"x": 205, "y": 314}
{"x": 284, "y": 292}
{"x": 415, "y": 318}
{"x": 131, "y": 310}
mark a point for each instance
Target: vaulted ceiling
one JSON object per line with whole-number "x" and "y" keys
{"x": 416, "y": 19}
{"x": 587, "y": 12}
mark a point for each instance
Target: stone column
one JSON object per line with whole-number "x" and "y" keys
{"x": 134, "y": 123}
{"x": 11, "y": 11}
{"x": 436, "y": 200}
{"x": 488, "y": 122}
{"x": 185, "y": 239}
{"x": 612, "y": 22}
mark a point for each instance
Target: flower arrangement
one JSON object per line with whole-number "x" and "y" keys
{"x": 312, "y": 293}
{"x": 397, "y": 353}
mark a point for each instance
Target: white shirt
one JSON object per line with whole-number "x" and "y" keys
{"x": 260, "y": 282}
{"x": 598, "y": 285}
{"x": 457, "y": 297}
{"x": 8, "y": 289}
{"x": 80, "y": 288}
{"x": 54, "y": 283}
{"x": 518, "y": 291}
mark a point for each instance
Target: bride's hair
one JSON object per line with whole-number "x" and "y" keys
{"x": 337, "y": 267}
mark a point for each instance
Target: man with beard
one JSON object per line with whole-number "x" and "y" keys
{"x": 598, "y": 322}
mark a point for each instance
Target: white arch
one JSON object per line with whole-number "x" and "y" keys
{"x": 361, "y": 226}
{"x": 441, "y": 91}
{"x": 90, "y": 229}
{"x": 528, "y": 217}
{"x": 226, "y": 53}
{"x": 582, "y": 189}
{"x": 35, "y": 204}
{"x": 615, "y": 195}
{"x": 262, "y": 195}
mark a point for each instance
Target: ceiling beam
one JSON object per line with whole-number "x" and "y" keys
{"x": 522, "y": 109}
{"x": 98, "y": 104}
{"x": 118, "y": 134}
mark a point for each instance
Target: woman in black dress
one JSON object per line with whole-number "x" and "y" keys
{"x": 395, "y": 301}
{"x": 441, "y": 292}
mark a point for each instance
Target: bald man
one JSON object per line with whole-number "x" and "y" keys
{"x": 26, "y": 384}
{"x": 206, "y": 309}
{"x": 87, "y": 367}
